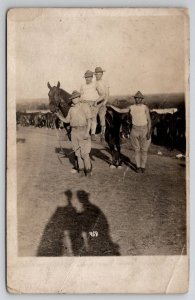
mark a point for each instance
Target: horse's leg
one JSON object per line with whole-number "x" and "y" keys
{"x": 114, "y": 157}
{"x": 109, "y": 140}
{"x": 119, "y": 161}
{"x": 118, "y": 123}
{"x": 112, "y": 137}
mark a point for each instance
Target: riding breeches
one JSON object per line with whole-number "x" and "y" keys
{"x": 140, "y": 144}
{"x": 94, "y": 112}
{"x": 81, "y": 146}
{"x": 102, "y": 114}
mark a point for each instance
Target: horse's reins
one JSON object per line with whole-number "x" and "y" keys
{"x": 61, "y": 149}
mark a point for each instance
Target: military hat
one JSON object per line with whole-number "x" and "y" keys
{"x": 88, "y": 73}
{"x": 99, "y": 70}
{"x": 139, "y": 95}
{"x": 75, "y": 94}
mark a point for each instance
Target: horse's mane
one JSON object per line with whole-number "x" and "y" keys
{"x": 65, "y": 96}
{"x": 65, "y": 106}
{"x": 64, "y": 93}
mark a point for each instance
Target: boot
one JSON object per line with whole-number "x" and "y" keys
{"x": 93, "y": 138}
{"x": 138, "y": 170}
{"x": 81, "y": 173}
{"x": 102, "y": 138}
{"x": 88, "y": 173}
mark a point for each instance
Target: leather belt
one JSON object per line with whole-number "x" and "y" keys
{"x": 77, "y": 127}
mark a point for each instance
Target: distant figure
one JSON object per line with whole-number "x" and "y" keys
{"x": 79, "y": 117}
{"x": 92, "y": 95}
{"x": 141, "y": 131}
{"x": 103, "y": 85}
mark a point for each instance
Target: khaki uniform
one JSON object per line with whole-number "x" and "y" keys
{"x": 103, "y": 86}
{"x": 89, "y": 94}
{"x": 139, "y": 130}
{"x": 77, "y": 117}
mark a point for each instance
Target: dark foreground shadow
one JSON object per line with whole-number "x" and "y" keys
{"x": 100, "y": 155}
{"x": 67, "y": 153}
{"x": 95, "y": 153}
{"x": 73, "y": 233}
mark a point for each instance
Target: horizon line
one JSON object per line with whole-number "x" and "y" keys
{"x": 130, "y": 95}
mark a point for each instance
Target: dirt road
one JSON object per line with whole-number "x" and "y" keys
{"x": 116, "y": 212}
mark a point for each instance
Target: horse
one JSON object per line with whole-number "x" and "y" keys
{"x": 116, "y": 119}
{"x": 60, "y": 100}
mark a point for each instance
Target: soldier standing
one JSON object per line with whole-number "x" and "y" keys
{"x": 79, "y": 117}
{"x": 141, "y": 131}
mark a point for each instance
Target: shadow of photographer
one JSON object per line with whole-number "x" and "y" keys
{"x": 73, "y": 232}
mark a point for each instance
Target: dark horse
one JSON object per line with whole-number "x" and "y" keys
{"x": 59, "y": 100}
{"x": 116, "y": 119}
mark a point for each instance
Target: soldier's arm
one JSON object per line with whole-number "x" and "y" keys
{"x": 149, "y": 120}
{"x": 81, "y": 92}
{"x": 107, "y": 94}
{"x": 101, "y": 94}
{"x": 65, "y": 120}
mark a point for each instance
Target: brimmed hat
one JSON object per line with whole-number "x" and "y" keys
{"x": 75, "y": 94}
{"x": 99, "y": 70}
{"x": 139, "y": 95}
{"x": 88, "y": 73}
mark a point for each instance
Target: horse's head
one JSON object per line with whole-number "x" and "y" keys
{"x": 58, "y": 99}
{"x": 54, "y": 97}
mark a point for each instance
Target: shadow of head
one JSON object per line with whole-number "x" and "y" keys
{"x": 68, "y": 194}
{"x": 83, "y": 197}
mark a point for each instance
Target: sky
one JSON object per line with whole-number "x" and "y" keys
{"x": 143, "y": 53}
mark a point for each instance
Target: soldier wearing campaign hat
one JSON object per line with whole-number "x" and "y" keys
{"x": 141, "y": 131}
{"x": 79, "y": 117}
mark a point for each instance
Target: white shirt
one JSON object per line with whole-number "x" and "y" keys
{"x": 78, "y": 115}
{"x": 138, "y": 113}
{"x": 89, "y": 91}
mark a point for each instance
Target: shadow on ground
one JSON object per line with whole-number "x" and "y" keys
{"x": 95, "y": 153}
{"x": 70, "y": 232}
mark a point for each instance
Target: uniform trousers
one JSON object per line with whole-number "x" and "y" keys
{"x": 102, "y": 114}
{"x": 140, "y": 144}
{"x": 81, "y": 146}
{"x": 94, "y": 112}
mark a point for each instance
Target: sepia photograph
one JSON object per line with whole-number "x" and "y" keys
{"x": 98, "y": 141}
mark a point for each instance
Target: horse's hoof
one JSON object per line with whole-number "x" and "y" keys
{"x": 120, "y": 167}
{"x": 112, "y": 167}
